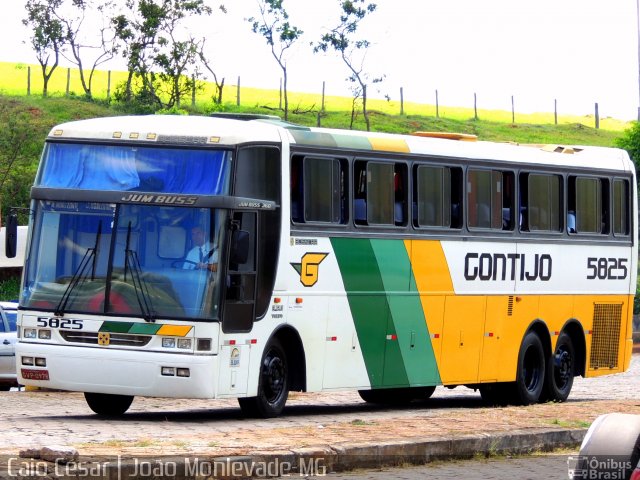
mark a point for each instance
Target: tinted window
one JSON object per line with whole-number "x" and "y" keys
{"x": 620, "y": 207}
{"x": 12, "y": 316}
{"x": 490, "y": 199}
{"x": 380, "y": 193}
{"x": 433, "y": 190}
{"x": 542, "y": 207}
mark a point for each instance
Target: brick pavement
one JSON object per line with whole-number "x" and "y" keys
{"x": 313, "y": 421}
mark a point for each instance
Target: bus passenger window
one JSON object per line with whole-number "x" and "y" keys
{"x": 375, "y": 193}
{"x": 620, "y": 210}
{"x": 318, "y": 190}
{"x": 587, "y": 205}
{"x": 432, "y": 191}
{"x": 490, "y": 199}
{"x": 541, "y": 199}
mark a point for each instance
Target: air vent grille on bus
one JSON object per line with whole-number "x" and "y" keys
{"x": 605, "y": 338}
{"x": 120, "y": 339}
{"x": 510, "y": 306}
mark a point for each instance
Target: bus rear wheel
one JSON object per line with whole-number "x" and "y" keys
{"x": 108, "y": 405}
{"x": 529, "y": 383}
{"x": 273, "y": 384}
{"x": 560, "y": 370}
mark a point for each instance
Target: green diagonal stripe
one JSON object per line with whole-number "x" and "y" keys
{"x": 370, "y": 311}
{"x": 116, "y": 327}
{"x": 145, "y": 328}
{"x": 406, "y": 311}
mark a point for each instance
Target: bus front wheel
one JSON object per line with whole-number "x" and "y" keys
{"x": 108, "y": 405}
{"x": 529, "y": 383}
{"x": 273, "y": 384}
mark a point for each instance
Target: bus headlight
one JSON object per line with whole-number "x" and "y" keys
{"x": 30, "y": 333}
{"x": 204, "y": 344}
{"x": 184, "y": 343}
{"x": 168, "y": 342}
{"x": 44, "y": 334}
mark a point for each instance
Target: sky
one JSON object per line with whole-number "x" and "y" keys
{"x": 577, "y": 52}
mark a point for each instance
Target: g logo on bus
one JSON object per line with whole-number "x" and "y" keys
{"x": 104, "y": 338}
{"x": 309, "y": 268}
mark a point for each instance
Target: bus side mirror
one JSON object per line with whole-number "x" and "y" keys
{"x": 239, "y": 247}
{"x": 11, "y": 236}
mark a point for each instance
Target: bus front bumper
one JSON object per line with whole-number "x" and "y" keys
{"x": 121, "y": 372}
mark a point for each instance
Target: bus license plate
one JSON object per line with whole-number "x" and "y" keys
{"x": 31, "y": 374}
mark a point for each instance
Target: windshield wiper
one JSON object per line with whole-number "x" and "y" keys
{"x": 132, "y": 264}
{"x": 80, "y": 275}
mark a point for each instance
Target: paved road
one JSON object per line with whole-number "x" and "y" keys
{"x": 548, "y": 467}
{"x": 31, "y": 419}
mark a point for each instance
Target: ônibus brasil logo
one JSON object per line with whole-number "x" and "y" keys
{"x": 309, "y": 267}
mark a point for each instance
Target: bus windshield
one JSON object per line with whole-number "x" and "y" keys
{"x": 134, "y": 260}
{"x": 135, "y": 168}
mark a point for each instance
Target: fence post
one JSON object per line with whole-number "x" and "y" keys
{"x": 68, "y": 81}
{"x": 597, "y": 117}
{"x": 193, "y": 91}
{"x": 280, "y": 91}
{"x": 109, "y": 86}
{"x": 401, "y": 101}
{"x": 322, "y": 107}
{"x": 28, "y": 81}
{"x": 318, "y": 120}
{"x": 555, "y": 110}
{"x": 238, "y": 93}
{"x": 513, "y": 111}
{"x": 475, "y": 106}
{"x": 437, "y": 106}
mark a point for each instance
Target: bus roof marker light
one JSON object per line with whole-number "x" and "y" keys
{"x": 213, "y": 140}
{"x": 134, "y": 135}
{"x": 57, "y": 133}
{"x": 151, "y": 136}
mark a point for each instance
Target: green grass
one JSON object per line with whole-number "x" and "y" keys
{"x": 492, "y": 124}
{"x": 10, "y": 289}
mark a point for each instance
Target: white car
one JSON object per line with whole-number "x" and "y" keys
{"x": 8, "y": 317}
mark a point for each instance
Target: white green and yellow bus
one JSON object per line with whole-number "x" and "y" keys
{"x": 329, "y": 260}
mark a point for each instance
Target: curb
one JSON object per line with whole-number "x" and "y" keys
{"x": 315, "y": 461}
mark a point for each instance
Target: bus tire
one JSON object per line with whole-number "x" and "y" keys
{"x": 529, "y": 383}
{"x": 611, "y": 443}
{"x": 273, "y": 384}
{"x": 108, "y": 405}
{"x": 560, "y": 370}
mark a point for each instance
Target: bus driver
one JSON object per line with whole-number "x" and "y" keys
{"x": 203, "y": 255}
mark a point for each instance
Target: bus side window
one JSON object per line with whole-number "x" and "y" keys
{"x": 587, "y": 209}
{"x": 360, "y": 193}
{"x": 620, "y": 207}
{"x": 541, "y": 202}
{"x": 490, "y": 199}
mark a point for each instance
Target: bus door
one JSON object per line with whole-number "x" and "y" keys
{"x": 239, "y": 302}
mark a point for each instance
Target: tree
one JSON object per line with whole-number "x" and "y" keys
{"x": 630, "y": 141}
{"x": 217, "y": 98}
{"x": 160, "y": 55}
{"x": 274, "y": 26}
{"x": 80, "y": 37}
{"x": 47, "y": 37}
{"x": 20, "y": 147}
{"x": 353, "y": 52}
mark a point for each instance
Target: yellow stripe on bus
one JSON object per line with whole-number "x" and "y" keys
{"x": 174, "y": 330}
{"x": 389, "y": 144}
{"x": 429, "y": 266}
